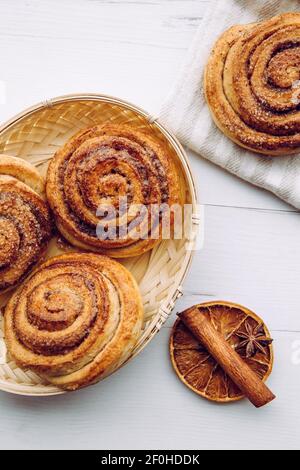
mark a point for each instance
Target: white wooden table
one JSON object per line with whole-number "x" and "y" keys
{"x": 133, "y": 49}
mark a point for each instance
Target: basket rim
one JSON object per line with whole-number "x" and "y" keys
{"x": 174, "y": 142}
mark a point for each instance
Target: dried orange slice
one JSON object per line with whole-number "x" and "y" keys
{"x": 243, "y": 330}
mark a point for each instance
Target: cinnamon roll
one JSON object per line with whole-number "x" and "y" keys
{"x": 252, "y": 85}
{"x": 101, "y": 185}
{"x": 25, "y": 223}
{"x": 74, "y": 320}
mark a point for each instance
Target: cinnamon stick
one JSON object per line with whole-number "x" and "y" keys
{"x": 230, "y": 361}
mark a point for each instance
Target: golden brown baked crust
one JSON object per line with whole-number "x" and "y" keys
{"x": 97, "y": 167}
{"x": 25, "y": 223}
{"x": 75, "y": 319}
{"x": 23, "y": 171}
{"x": 251, "y": 85}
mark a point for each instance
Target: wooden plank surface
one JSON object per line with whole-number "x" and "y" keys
{"x": 145, "y": 406}
{"x": 133, "y": 49}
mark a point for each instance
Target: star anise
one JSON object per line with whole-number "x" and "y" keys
{"x": 254, "y": 339}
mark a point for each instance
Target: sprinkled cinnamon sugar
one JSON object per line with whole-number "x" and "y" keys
{"x": 25, "y": 226}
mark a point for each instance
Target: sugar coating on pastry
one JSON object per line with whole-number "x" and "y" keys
{"x": 74, "y": 320}
{"x": 252, "y": 85}
{"x": 25, "y": 221}
{"x": 96, "y": 168}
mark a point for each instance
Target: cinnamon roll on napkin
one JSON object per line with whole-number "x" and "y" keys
{"x": 74, "y": 320}
{"x": 117, "y": 169}
{"x": 25, "y": 223}
{"x": 252, "y": 85}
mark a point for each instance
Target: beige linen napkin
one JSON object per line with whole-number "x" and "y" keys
{"x": 186, "y": 113}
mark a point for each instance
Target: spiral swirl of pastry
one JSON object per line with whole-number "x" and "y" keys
{"x": 252, "y": 85}
{"x": 25, "y": 224}
{"x": 74, "y": 320}
{"x": 100, "y": 167}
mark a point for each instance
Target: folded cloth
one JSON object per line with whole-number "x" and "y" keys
{"x": 186, "y": 114}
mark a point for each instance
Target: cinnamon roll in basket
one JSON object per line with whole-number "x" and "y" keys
{"x": 98, "y": 178}
{"x": 252, "y": 85}
{"x": 74, "y": 320}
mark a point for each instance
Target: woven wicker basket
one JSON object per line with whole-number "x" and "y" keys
{"x": 35, "y": 135}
